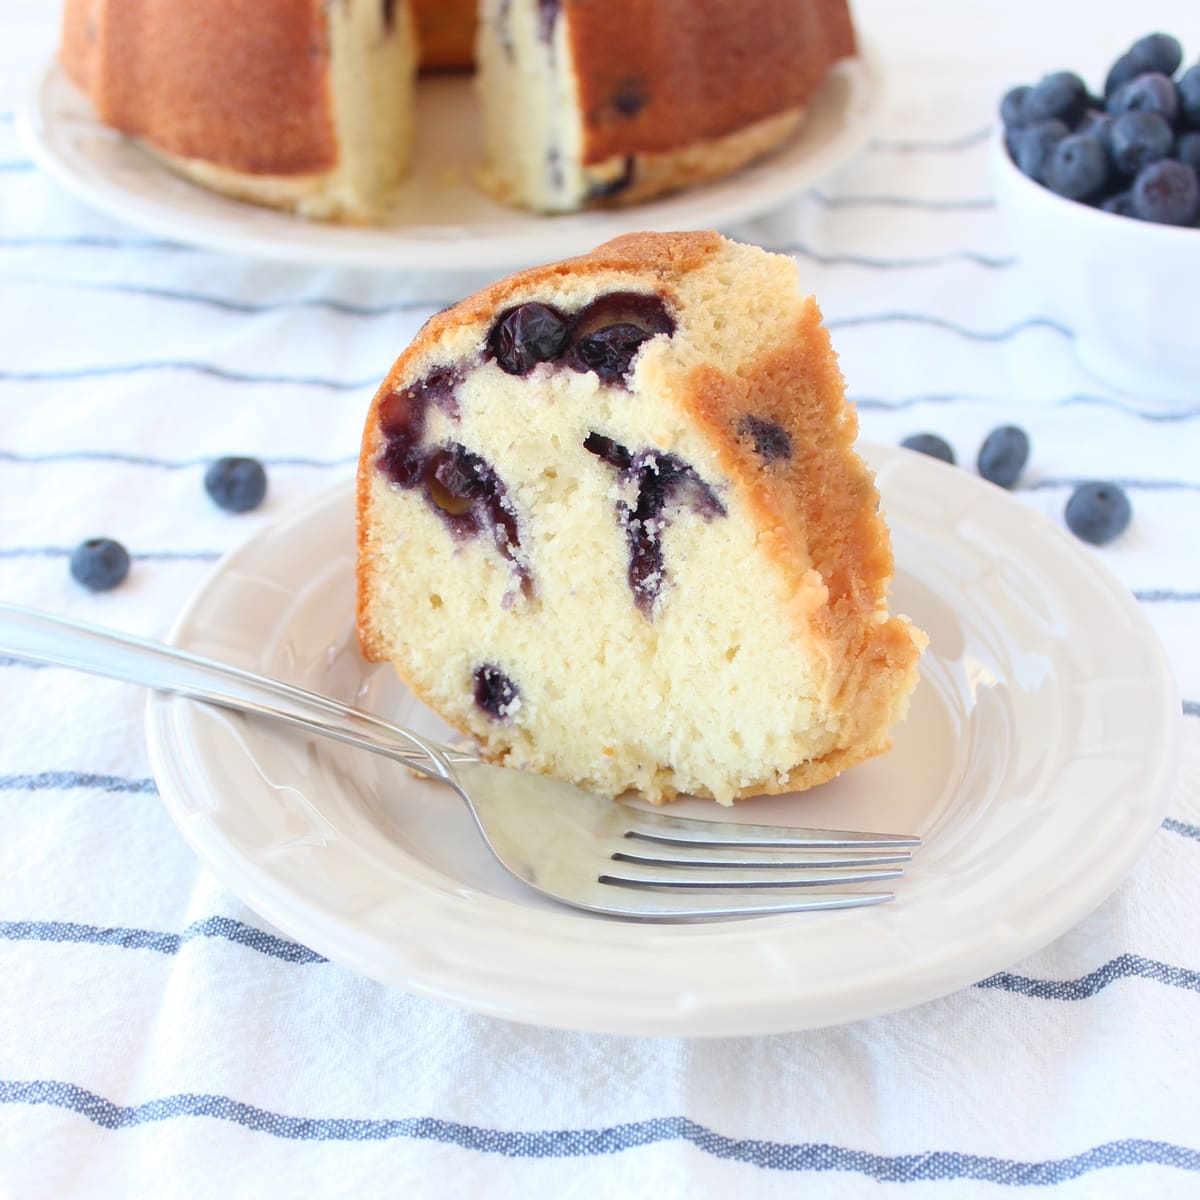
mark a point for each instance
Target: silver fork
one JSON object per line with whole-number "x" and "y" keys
{"x": 566, "y": 843}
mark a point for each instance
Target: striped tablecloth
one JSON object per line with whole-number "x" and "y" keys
{"x": 156, "y": 1039}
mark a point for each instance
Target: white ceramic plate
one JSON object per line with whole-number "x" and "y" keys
{"x": 1035, "y": 762}
{"x": 441, "y": 221}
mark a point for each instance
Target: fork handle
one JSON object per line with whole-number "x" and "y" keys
{"x": 41, "y": 637}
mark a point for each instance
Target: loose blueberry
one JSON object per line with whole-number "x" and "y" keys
{"x": 1126, "y": 67}
{"x": 931, "y": 444}
{"x": 1168, "y": 193}
{"x": 1012, "y": 107}
{"x": 527, "y": 335}
{"x": 495, "y": 693}
{"x": 1003, "y": 455}
{"x": 1098, "y": 512}
{"x": 1136, "y": 139}
{"x": 1157, "y": 52}
{"x": 100, "y": 564}
{"x": 1096, "y": 122}
{"x": 772, "y": 443}
{"x": 1033, "y": 146}
{"x": 236, "y": 484}
{"x": 1120, "y": 203}
{"x": 1150, "y": 93}
{"x": 1187, "y": 149}
{"x": 1061, "y": 95}
{"x": 1077, "y": 168}
{"x": 1188, "y": 89}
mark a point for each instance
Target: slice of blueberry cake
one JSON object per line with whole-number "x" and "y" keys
{"x": 612, "y": 524}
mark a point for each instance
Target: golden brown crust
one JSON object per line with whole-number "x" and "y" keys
{"x": 728, "y": 66}
{"x": 819, "y": 504}
{"x": 822, "y": 496}
{"x": 239, "y": 83}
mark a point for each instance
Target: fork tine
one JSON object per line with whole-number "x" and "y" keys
{"x": 685, "y": 876}
{"x": 722, "y": 857}
{"x": 682, "y": 905}
{"x": 660, "y": 827}
{"x": 685, "y": 906}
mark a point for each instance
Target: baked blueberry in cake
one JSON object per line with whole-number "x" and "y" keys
{"x": 611, "y": 523}
{"x": 310, "y": 105}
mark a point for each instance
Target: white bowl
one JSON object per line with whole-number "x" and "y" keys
{"x": 1129, "y": 290}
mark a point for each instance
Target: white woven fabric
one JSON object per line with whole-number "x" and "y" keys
{"x": 157, "y": 1039}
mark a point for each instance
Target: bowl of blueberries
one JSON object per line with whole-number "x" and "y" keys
{"x": 1100, "y": 192}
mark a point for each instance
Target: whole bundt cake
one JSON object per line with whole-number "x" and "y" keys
{"x": 612, "y": 524}
{"x": 309, "y": 105}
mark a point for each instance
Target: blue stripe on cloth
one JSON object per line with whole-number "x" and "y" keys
{"x": 20, "y": 164}
{"x": 1124, "y": 966}
{"x": 878, "y": 403}
{"x": 199, "y": 368}
{"x": 920, "y": 202}
{"x": 1191, "y": 708}
{"x": 800, "y": 250}
{"x": 165, "y": 943}
{"x": 973, "y": 335}
{"x": 117, "y": 243}
{"x": 1166, "y": 596}
{"x": 611, "y": 1139}
{"x": 95, "y": 242}
{"x": 238, "y": 306}
{"x": 45, "y": 781}
{"x": 1130, "y": 485}
{"x": 927, "y": 145}
{"x": 1182, "y": 828}
{"x": 137, "y": 556}
{"x": 170, "y": 464}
